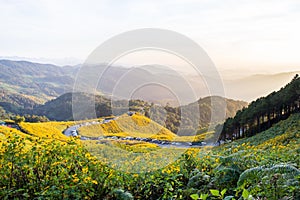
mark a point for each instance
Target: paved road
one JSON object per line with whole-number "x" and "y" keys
{"x": 73, "y": 131}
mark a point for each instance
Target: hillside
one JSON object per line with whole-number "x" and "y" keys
{"x": 24, "y": 85}
{"x": 136, "y": 125}
{"x": 256, "y": 162}
{"x": 265, "y": 165}
{"x": 46, "y": 130}
{"x": 33, "y": 80}
{"x": 285, "y": 134}
{"x": 16, "y": 103}
{"x": 244, "y": 167}
{"x": 61, "y": 109}
{"x": 264, "y": 112}
{"x": 217, "y": 103}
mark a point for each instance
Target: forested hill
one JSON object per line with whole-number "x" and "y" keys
{"x": 61, "y": 109}
{"x": 35, "y": 81}
{"x": 264, "y": 112}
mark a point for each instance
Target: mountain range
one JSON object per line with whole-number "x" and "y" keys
{"x": 45, "y": 89}
{"x": 42, "y": 82}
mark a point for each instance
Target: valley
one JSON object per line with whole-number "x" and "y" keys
{"x": 140, "y": 152}
{"x": 225, "y": 167}
{"x": 150, "y": 100}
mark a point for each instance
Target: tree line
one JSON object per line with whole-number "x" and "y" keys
{"x": 262, "y": 113}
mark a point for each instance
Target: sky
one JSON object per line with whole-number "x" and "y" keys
{"x": 253, "y": 35}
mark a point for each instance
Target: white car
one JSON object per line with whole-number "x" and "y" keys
{"x": 74, "y": 133}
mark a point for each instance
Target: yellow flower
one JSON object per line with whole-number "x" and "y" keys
{"x": 87, "y": 179}
{"x": 55, "y": 163}
{"x": 87, "y": 155}
{"x": 75, "y": 180}
{"x": 85, "y": 170}
{"x": 95, "y": 182}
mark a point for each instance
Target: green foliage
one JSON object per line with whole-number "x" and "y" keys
{"x": 36, "y": 118}
{"x": 278, "y": 179}
{"x": 26, "y": 84}
{"x": 214, "y": 194}
{"x": 194, "y": 196}
{"x": 199, "y": 180}
{"x": 60, "y": 109}
{"x": 252, "y": 168}
{"x": 264, "y": 112}
{"x": 18, "y": 119}
{"x": 3, "y": 114}
{"x": 121, "y": 195}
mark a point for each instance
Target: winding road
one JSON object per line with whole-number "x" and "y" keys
{"x": 73, "y": 131}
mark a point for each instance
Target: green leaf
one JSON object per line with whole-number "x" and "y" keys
{"x": 215, "y": 193}
{"x": 223, "y": 192}
{"x": 26, "y": 195}
{"x": 203, "y": 196}
{"x": 228, "y": 198}
{"x": 194, "y": 196}
{"x": 245, "y": 194}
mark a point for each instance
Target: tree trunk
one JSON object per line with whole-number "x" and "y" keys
{"x": 258, "y": 123}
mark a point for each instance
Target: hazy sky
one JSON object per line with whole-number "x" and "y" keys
{"x": 260, "y": 35}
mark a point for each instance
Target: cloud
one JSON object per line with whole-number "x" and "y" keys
{"x": 234, "y": 32}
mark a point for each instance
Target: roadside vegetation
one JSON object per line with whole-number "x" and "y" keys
{"x": 259, "y": 160}
{"x": 263, "y": 166}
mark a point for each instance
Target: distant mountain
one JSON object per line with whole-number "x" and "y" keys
{"x": 40, "y": 82}
{"x": 43, "y": 82}
{"x": 215, "y": 102}
{"x": 60, "y": 109}
{"x": 16, "y": 103}
{"x": 254, "y": 86}
{"x": 54, "y": 61}
{"x": 211, "y": 110}
{"x": 42, "y": 89}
